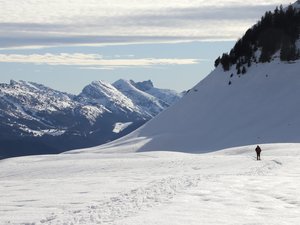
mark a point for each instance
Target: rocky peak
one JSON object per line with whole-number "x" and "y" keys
{"x": 144, "y": 85}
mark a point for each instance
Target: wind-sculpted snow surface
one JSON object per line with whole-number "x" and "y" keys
{"x": 228, "y": 187}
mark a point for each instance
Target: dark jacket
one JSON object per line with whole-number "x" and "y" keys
{"x": 258, "y": 149}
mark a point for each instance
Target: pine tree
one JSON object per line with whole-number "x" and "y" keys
{"x": 249, "y": 63}
{"x": 225, "y": 61}
{"x": 244, "y": 70}
{"x": 288, "y": 51}
{"x": 265, "y": 56}
{"x": 292, "y": 52}
{"x": 217, "y": 61}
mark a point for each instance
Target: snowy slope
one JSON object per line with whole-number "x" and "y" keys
{"x": 33, "y": 97}
{"x": 228, "y": 187}
{"x": 26, "y": 107}
{"x": 107, "y": 95}
{"x": 148, "y": 103}
{"x": 119, "y": 127}
{"x": 166, "y": 95}
{"x": 260, "y": 106}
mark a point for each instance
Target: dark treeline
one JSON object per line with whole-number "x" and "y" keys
{"x": 276, "y": 30}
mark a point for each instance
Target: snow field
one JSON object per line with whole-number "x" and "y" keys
{"x": 226, "y": 187}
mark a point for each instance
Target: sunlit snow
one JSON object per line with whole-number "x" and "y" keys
{"x": 228, "y": 187}
{"x": 119, "y": 127}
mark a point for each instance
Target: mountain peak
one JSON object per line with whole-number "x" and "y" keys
{"x": 144, "y": 85}
{"x": 19, "y": 82}
{"x": 99, "y": 83}
{"x": 13, "y": 82}
{"x": 28, "y": 85}
{"x": 151, "y": 102}
{"x": 122, "y": 82}
{"x": 96, "y": 87}
{"x": 106, "y": 94}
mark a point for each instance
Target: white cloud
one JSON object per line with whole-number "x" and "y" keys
{"x": 30, "y": 22}
{"x": 92, "y": 61}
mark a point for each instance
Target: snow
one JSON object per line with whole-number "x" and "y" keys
{"x": 107, "y": 95}
{"x": 153, "y": 176}
{"x": 53, "y": 132}
{"x": 166, "y": 95}
{"x": 35, "y": 133}
{"x": 31, "y": 99}
{"x": 29, "y": 111}
{"x": 91, "y": 113}
{"x": 123, "y": 183}
{"x": 227, "y": 187}
{"x": 119, "y": 127}
{"x": 260, "y": 106}
{"x": 28, "y": 96}
{"x": 18, "y": 109}
{"x": 148, "y": 103}
{"x": 39, "y": 133}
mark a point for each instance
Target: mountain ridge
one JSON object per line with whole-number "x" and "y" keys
{"x": 34, "y": 113}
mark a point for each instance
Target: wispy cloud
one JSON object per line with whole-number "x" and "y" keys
{"x": 92, "y": 61}
{"x": 31, "y": 23}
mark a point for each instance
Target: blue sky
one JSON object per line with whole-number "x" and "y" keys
{"x": 67, "y": 44}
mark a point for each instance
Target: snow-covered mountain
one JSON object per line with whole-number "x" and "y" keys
{"x": 43, "y": 120}
{"x": 169, "y": 96}
{"x": 232, "y": 108}
{"x": 103, "y": 93}
{"x": 148, "y": 103}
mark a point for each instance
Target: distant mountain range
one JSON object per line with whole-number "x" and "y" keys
{"x": 36, "y": 119}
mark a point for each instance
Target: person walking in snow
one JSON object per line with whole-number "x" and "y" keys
{"x": 258, "y": 151}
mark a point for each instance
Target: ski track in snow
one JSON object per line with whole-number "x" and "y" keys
{"x": 167, "y": 187}
{"x": 125, "y": 204}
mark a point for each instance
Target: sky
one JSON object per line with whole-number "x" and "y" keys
{"x": 66, "y": 44}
